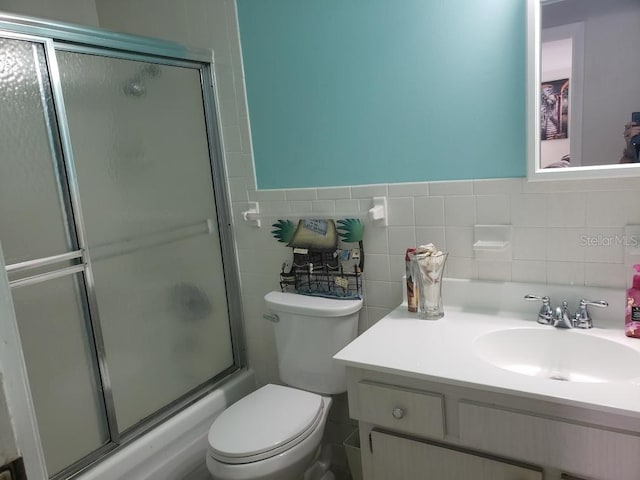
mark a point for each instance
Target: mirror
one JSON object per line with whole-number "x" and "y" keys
{"x": 583, "y": 88}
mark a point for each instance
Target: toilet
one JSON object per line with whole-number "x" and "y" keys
{"x": 275, "y": 432}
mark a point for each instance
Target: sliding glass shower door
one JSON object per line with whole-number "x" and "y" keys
{"x": 41, "y": 250}
{"x": 109, "y": 221}
{"x": 142, "y": 163}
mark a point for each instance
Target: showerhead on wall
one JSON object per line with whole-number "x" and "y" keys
{"x": 136, "y": 86}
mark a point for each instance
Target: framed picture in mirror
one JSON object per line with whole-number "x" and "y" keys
{"x": 554, "y": 109}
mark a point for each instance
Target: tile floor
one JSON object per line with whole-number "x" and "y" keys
{"x": 201, "y": 473}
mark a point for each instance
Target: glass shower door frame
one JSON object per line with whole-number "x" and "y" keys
{"x": 58, "y": 36}
{"x": 59, "y": 145}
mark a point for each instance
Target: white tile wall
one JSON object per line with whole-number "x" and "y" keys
{"x": 302, "y": 194}
{"x": 401, "y": 211}
{"x": 338, "y": 193}
{"x": 458, "y": 242}
{"x": 451, "y": 188}
{"x": 429, "y": 211}
{"x": 408, "y": 189}
{"x": 399, "y": 239}
{"x": 555, "y": 239}
{"x": 493, "y": 209}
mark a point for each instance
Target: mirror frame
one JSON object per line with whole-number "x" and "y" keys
{"x": 534, "y": 173}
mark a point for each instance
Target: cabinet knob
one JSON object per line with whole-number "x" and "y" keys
{"x": 398, "y": 413}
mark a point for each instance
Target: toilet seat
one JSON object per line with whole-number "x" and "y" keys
{"x": 265, "y": 423}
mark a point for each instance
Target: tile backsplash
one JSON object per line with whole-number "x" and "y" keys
{"x": 565, "y": 232}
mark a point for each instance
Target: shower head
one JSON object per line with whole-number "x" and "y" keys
{"x": 136, "y": 86}
{"x": 134, "y": 89}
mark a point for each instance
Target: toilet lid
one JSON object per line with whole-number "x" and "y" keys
{"x": 265, "y": 420}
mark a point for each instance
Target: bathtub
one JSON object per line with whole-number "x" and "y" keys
{"x": 178, "y": 446}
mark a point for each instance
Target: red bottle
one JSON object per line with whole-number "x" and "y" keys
{"x": 412, "y": 297}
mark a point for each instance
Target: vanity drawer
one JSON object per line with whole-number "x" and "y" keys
{"x": 401, "y": 409}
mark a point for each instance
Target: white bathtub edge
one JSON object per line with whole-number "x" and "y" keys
{"x": 177, "y": 446}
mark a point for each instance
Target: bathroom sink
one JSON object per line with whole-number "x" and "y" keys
{"x": 565, "y": 355}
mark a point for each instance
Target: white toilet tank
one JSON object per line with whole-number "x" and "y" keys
{"x": 309, "y": 332}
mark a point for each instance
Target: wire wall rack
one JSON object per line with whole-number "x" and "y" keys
{"x": 323, "y": 266}
{"x": 319, "y": 274}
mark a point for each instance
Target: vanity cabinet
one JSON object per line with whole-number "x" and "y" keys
{"x": 414, "y": 429}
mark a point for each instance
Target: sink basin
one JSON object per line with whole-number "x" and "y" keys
{"x": 566, "y": 355}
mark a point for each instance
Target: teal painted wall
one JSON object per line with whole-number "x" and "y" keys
{"x": 352, "y": 92}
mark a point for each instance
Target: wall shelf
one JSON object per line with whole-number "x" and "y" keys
{"x": 492, "y": 242}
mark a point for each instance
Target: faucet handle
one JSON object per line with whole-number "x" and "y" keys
{"x": 545, "y": 315}
{"x": 536, "y": 297}
{"x": 583, "y": 318}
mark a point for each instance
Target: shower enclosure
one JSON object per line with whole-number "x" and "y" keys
{"x": 115, "y": 228}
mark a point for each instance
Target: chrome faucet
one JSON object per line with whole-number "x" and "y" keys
{"x": 561, "y": 318}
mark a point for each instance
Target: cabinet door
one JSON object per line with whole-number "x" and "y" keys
{"x": 398, "y": 458}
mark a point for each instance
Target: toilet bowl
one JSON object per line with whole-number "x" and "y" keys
{"x": 275, "y": 433}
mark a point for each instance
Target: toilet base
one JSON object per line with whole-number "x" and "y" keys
{"x": 319, "y": 470}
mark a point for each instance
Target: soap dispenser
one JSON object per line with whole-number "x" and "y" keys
{"x": 632, "y": 311}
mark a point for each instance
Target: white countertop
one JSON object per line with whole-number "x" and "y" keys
{"x": 442, "y": 351}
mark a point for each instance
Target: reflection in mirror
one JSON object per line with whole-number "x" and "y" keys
{"x": 589, "y": 87}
